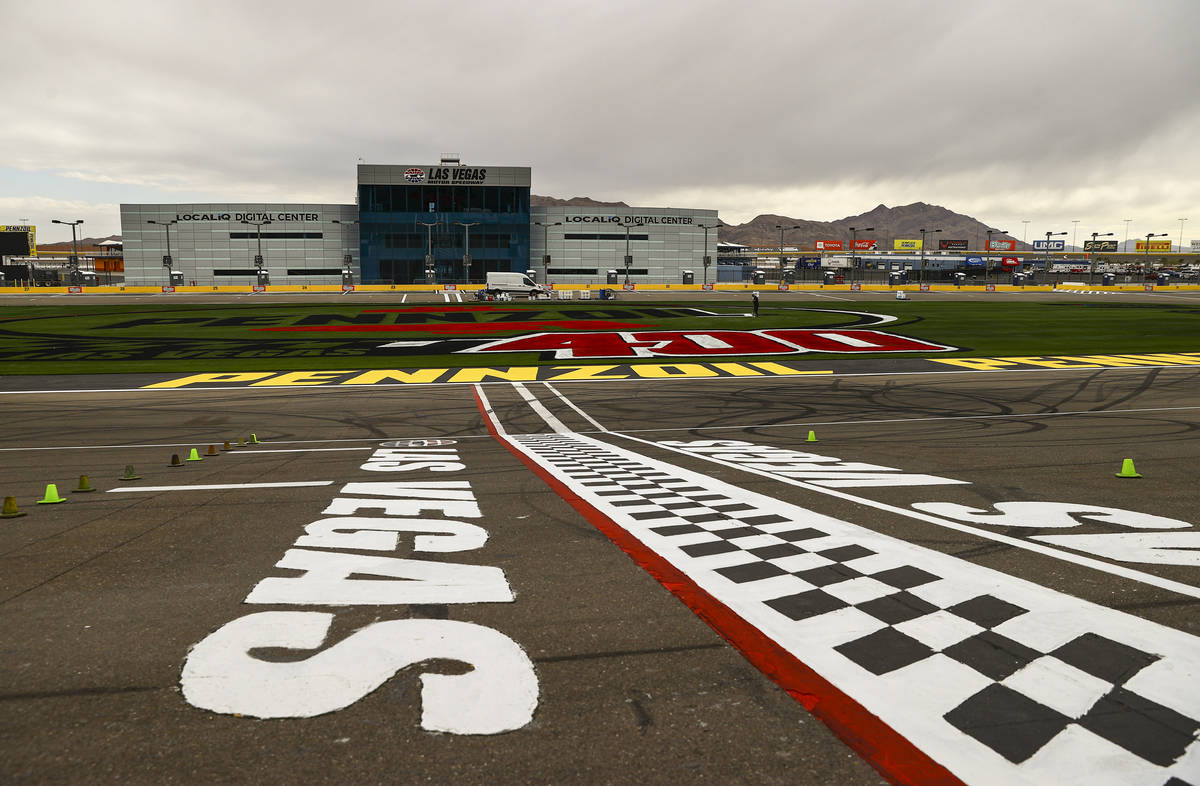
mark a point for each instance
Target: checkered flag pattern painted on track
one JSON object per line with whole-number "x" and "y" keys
{"x": 998, "y": 679}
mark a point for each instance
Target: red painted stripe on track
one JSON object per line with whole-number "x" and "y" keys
{"x": 887, "y": 751}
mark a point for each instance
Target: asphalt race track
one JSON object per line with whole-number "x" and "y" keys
{"x": 629, "y": 581}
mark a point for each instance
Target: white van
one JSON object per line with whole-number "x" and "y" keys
{"x": 513, "y": 284}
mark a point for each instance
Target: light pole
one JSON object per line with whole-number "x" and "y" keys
{"x": 1160, "y": 234}
{"x": 167, "y": 261}
{"x": 258, "y": 225}
{"x": 74, "y": 245}
{"x": 429, "y": 267}
{"x": 1125, "y": 245}
{"x": 546, "y": 244}
{"x": 628, "y": 256}
{"x": 987, "y": 265}
{"x": 347, "y": 258}
{"x": 782, "y": 258}
{"x": 466, "y": 225}
{"x": 923, "y": 231}
{"x": 854, "y": 242}
{"x": 1181, "y": 234}
{"x": 1025, "y": 232}
{"x": 1092, "y": 268}
{"x": 1048, "y": 236}
{"x": 707, "y": 261}
{"x": 1074, "y": 229}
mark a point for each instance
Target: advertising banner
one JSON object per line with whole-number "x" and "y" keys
{"x": 1050, "y": 245}
{"x": 1154, "y": 245}
{"x": 829, "y": 245}
{"x": 865, "y": 245}
{"x": 913, "y": 244}
{"x": 952, "y": 245}
{"x": 1196, "y": 245}
{"x": 1009, "y": 262}
{"x": 974, "y": 261}
{"x": 1005, "y": 245}
{"x": 1099, "y": 245}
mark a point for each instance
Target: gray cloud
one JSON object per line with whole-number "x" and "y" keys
{"x": 977, "y": 105}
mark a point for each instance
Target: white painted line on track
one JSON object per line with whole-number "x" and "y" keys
{"x": 540, "y": 409}
{"x": 1037, "y": 548}
{"x": 223, "y": 486}
{"x": 488, "y": 411}
{"x": 571, "y": 404}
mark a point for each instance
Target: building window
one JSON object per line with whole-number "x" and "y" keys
{"x": 602, "y": 236}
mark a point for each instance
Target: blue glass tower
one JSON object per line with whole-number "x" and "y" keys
{"x": 408, "y": 211}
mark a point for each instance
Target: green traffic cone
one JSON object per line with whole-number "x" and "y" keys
{"x": 253, "y": 439}
{"x": 194, "y": 455}
{"x": 1127, "y": 470}
{"x": 51, "y": 495}
{"x": 130, "y": 474}
{"x": 812, "y": 437}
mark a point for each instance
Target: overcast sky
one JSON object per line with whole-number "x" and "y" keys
{"x": 1043, "y": 110}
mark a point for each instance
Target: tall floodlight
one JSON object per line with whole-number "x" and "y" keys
{"x": 466, "y": 225}
{"x": 1025, "y": 231}
{"x": 1125, "y": 245}
{"x": 854, "y": 242}
{"x": 1181, "y": 234}
{"x": 167, "y": 261}
{"x": 923, "y": 232}
{"x": 1048, "y": 236}
{"x": 74, "y": 244}
{"x": 707, "y": 259}
{"x": 258, "y": 225}
{"x": 1160, "y": 234}
{"x": 430, "y": 273}
{"x": 1092, "y": 259}
{"x": 782, "y": 258}
{"x": 347, "y": 257}
{"x": 987, "y": 265}
{"x": 1074, "y": 229}
{"x": 628, "y": 256}
{"x": 546, "y": 244}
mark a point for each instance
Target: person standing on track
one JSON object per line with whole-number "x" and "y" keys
{"x": 754, "y": 299}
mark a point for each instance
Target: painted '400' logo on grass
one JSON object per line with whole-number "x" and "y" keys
{"x": 707, "y": 343}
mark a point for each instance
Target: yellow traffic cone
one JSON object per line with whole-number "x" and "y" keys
{"x": 241, "y": 442}
{"x": 130, "y": 475}
{"x": 1127, "y": 470}
{"x": 194, "y": 455}
{"x": 175, "y": 462}
{"x": 812, "y": 437}
{"x": 84, "y": 485}
{"x": 226, "y": 446}
{"x": 10, "y": 509}
{"x": 51, "y": 495}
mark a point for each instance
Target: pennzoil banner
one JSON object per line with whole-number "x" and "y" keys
{"x": 913, "y": 244}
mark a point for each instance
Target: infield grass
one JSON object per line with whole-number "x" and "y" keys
{"x": 121, "y": 338}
